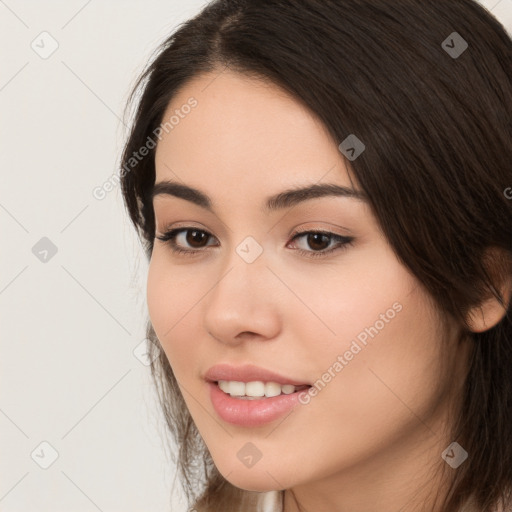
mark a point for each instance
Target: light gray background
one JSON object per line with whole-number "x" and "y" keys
{"x": 70, "y": 324}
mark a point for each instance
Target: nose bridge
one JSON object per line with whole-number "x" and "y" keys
{"x": 240, "y": 300}
{"x": 243, "y": 274}
{"x": 246, "y": 251}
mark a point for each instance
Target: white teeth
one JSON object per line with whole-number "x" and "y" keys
{"x": 272, "y": 389}
{"x": 288, "y": 388}
{"x": 255, "y": 389}
{"x": 236, "y": 388}
{"x": 224, "y": 385}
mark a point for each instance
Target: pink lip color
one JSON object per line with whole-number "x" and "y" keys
{"x": 249, "y": 413}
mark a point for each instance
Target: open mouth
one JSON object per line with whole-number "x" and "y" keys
{"x": 257, "y": 390}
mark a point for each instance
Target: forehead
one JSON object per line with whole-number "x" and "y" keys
{"x": 246, "y": 132}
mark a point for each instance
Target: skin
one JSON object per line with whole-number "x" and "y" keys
{"x": 375, "y": 432}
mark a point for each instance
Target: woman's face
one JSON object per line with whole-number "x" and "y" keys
{"x": 343, "y": 316}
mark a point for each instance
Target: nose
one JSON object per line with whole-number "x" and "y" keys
{"x": 241, "y": 305}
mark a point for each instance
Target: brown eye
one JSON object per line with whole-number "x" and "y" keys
{"x": 318, "y": 241}
{"x": 186, "y": 240}
{"x": 195, "y": 238}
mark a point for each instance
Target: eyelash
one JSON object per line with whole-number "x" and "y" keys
{"x": 344, "y": 241}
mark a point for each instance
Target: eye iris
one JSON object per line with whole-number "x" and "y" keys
{"x": 194, "y": 236}
{"x": 313, "y": 238}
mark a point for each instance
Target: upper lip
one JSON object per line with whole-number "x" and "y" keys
{"x": 247, "y": 373}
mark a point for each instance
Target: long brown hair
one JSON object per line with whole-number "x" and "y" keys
{"x": 437, "y": 126}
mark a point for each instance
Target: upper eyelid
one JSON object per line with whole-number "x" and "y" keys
{"x": 166, "y": 230}
{"x": 186, "y": 225}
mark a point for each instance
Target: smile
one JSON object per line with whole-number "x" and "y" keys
{"x": 257, "y": 389}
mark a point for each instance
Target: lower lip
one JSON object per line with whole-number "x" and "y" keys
{"x": 251, "y": 413}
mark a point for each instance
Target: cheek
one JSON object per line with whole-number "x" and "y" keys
{"x": 388, "y": 368}
{"x": 356, "y": 300}
{"x": 389, "y": 334}
{"x": 173, "y": 294}
{"x": 386, "y": 352}
{"x": 167, "y": 301}
{"x": 172, "y": 291}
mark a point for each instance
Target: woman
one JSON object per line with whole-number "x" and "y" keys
{"x": 319, "y": 186}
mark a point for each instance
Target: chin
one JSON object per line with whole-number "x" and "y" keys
{"x": 251, "y": 479}
{"x": 253, "y": 485}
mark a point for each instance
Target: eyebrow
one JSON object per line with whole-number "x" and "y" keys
{"x": 282, "y": 200}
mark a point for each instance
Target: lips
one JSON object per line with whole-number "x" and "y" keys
{"x": 255, "y": 412}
